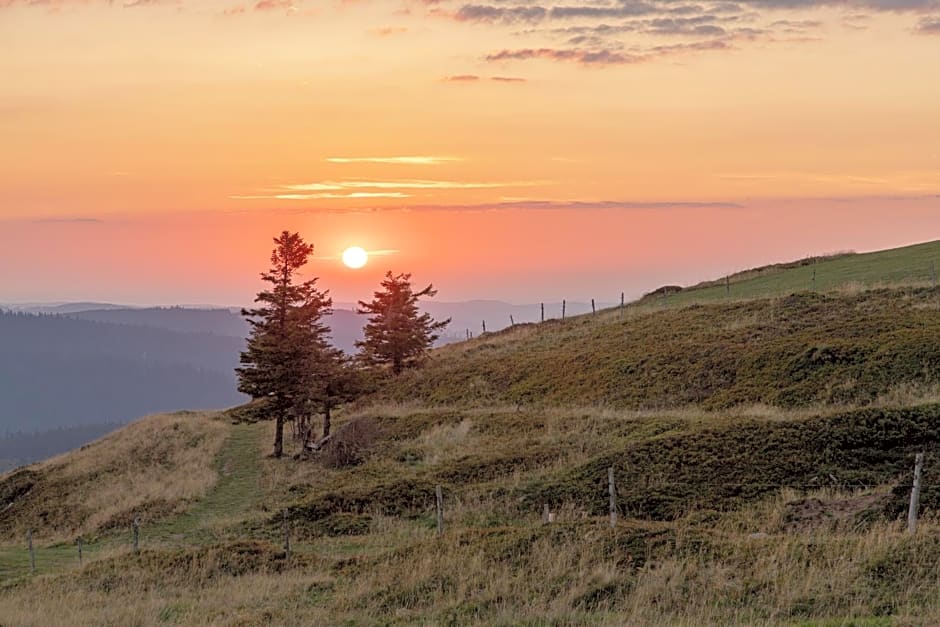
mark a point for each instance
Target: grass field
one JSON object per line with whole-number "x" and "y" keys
{"x": 762, "y": 452}
{"x": 916, "y": 265}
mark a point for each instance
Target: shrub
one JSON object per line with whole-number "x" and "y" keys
{"x": 350, "y": 444}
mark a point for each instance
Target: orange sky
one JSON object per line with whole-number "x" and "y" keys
{"x": 515, "y": 150}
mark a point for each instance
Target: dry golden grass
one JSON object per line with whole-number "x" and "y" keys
{"x": 157, "y": 466}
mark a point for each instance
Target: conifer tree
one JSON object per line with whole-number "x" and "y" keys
{"x": 397, "y": 334}
{"x": 288, "y": 357}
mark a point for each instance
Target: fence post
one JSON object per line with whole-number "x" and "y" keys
{"x": 546, "y": 514}
{"x": 32, "y": 553}
{"x": 593, "y": 309}
{"x": 612, "y": 490}
{"x": 440, "y": 509}
{"x": 622, "y": 295}
{"x": 914, "y": 507}
{"x": 79, "y": 550}
{"x": 484, "y": 326}
{"x": 512, "y": 321}
{"x": 136, "y": 534}
{"x": 286, "y": 536}
{"x": 543, "y": 312}
{"x": 468, "y": 334}
{"x": 728, "y": 286}
{"x": 814, "y": 279}
{"x": 564, "y": 304}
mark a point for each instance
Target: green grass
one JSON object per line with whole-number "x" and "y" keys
{"x": 911, "y": 265}
{"x": 798, "y": 351}
{"x": 236, "y": 493}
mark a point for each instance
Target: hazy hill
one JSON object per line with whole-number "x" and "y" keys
{"x": 62, "y": 372}
{"x": 346, "y": 326}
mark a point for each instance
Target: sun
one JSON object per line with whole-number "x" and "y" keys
{"x": 355, "y": 257}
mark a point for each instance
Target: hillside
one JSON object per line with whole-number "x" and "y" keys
{"x": 762, "y": 453}
{"x": 795, "y": 351}
{"x": 917, "y": 265}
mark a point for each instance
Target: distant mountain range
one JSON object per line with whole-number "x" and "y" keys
{"x": 66, "y": 369}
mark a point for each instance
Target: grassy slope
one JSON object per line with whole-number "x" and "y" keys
{"x": 910, "y": 265}
{"x": 730, "y": 514}
{"x": 796, "y": 351}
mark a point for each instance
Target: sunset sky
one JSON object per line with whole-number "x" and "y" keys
{"x": 544, "y": 149}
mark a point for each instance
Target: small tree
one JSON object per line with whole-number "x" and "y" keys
{"x": 288, "y": 353}
{"x": 397, "y": 334}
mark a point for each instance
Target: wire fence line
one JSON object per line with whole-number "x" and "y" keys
{"x": 663, "y": 296}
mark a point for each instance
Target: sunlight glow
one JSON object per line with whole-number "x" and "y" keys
{"x": 355, "y": 257}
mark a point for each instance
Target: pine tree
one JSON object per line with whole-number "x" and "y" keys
{"x": 397, "y": 334}
{"x": 288, "y": 357}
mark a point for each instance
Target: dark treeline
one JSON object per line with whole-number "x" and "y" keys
{"x": 60, "y": 372}
{"x": 18, "y": 449}
{"x": 345, "y": 325}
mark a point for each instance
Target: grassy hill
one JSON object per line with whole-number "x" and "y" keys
{"x": 762, "y": 453}
{"x": 916, "y": 265}
{"x": 795, "y": 351}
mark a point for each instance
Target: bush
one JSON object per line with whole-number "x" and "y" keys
{"x": 350, "y": 444}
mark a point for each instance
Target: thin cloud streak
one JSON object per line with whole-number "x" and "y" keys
{"x": 407, "y": 160}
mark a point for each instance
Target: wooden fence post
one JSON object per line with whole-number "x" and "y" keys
{"x": 814, "y": 279}
{"x": 468, "y": 335}
{"x": 728, "y": 286}
{"x": 136, "y": 534}
{"x": 593, "y": 309}
{"x": 32, "y": 552}
{"x": 546, "y": 514}
{"x": 622, "y": 296}
{"x": 512, "y": 322}
{"x": 484, "y": 326}
{"x": 914, "y": 506}
{"x": 286, "y": 536}
{"x": 79, "y": 550}
{"x": 543, "y": 312}
{"x": 612, "y": 490}
{"x": 440, "y": 509}
{"x": 564, "y": 304}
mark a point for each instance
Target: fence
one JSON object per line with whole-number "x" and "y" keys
{"x": 665, "y": 293}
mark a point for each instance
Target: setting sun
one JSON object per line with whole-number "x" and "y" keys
{"x": 355, "y": 257}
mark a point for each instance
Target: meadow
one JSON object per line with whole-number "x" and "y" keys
{"x": 763, "y": 450}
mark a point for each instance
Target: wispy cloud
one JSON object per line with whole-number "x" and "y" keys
{"x": 67, "y": 221}
{"x": 321, "y": 196}
{"x": 408, "y": 160}
{"x": 382, "y": 252}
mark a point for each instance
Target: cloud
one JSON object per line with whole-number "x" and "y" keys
{"x": 406, "y": 184}
{"x": 67, "y": 221}
{"x": 358, "y": 189}
{"x": 929, "y": 26}
{"x": 461, "y": 78}
{"x": 412, "y": 160}
{"x": 584, "y": 57}
{"x": 387, "y": 31}
{"x": 323, "y": 196}
{"x": 474, "y": 78}
{"x": 598, "y": 33}
{"x": 538, "y": 205}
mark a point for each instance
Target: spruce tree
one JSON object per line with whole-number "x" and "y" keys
{"x": 397, "y": 334}
{"x": 288, "y": 358}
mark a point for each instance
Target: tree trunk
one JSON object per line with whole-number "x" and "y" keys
{"x": 279, "y": 435}
{"x": 326, "y": 420}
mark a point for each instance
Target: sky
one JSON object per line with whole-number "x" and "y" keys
{"x": 521, "y": 150}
